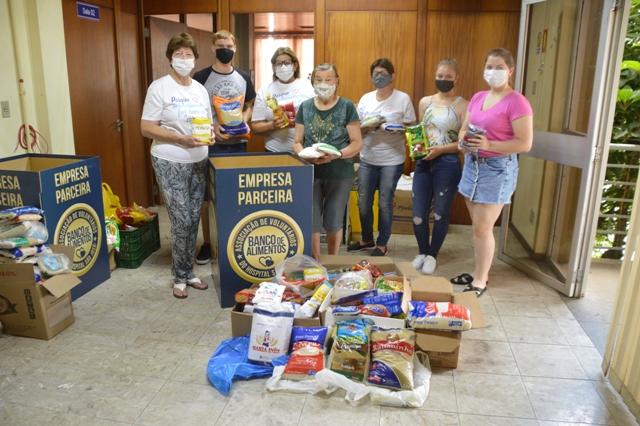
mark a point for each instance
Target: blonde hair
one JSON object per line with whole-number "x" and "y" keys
{"x": 449, "y": 62}
{"x": 503, "y": 53}
{"x": 224, "y": 34}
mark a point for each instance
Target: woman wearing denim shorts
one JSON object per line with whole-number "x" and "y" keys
{"x": 331, "y": 119}
{"x": 436, "y": 177}
{"x": 383, "y": 154}
{"x": 499, "y": 125}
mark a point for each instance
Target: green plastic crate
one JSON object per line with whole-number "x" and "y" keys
{"x": 138, "y": 244}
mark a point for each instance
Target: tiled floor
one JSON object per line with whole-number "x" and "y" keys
{"x": 136, "y": 355}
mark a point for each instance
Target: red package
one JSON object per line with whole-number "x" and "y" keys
{"x": 307, "y": 352}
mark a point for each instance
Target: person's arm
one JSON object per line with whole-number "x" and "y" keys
{"x": 298, "y": 138}
{"x": 422, "y": 106}
{"x": 153, "y": 130}
{"x": 355, "y": 141}
{"x": 521, "y": 142}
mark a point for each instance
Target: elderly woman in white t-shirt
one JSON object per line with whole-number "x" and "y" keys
{"x": 289, "y": 91}
{"x": 383, "y": 154}
{"x": 179, "y": 159}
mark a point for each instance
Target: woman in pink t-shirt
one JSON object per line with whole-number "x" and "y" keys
{"x": 498, "y": 125}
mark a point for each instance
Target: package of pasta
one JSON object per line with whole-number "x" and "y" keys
{"x": 392, "y": 354}
{"x": 438, "y": 316}
{"x": 392, "y": 301}
{"x": 364, "y": 264}
{"x": 389, "y": 284}
{"x": 350, "y": 350}
{"x": 416, "y": 141}
{"x": 307, "y": 352}
{"x": 229, "y": 115}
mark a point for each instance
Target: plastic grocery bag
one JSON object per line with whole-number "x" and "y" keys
{"x": 300, "y": 273}
{"x": 229, "y": 362}
{"x": 110, "y": 203}
{"x": 327, "y": 381}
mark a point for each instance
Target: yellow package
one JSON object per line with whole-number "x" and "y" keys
{"x": 278, "y": 112}
{"x": 201, "y": 129}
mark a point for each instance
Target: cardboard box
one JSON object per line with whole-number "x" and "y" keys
{"x": 260, "y": 217}
{"x": 402, "y": 213}
{"x": 241, "y": 322}
{"x": 35, "y": 310}
{"x": 69, "y": 190}
{"x": 385, "y": 264}
{"x": 443, "y": 347}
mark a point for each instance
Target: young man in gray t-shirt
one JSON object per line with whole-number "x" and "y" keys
{"x": 232, "y": 89}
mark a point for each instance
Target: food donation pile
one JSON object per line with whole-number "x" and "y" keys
{"x": 366, "y": 343}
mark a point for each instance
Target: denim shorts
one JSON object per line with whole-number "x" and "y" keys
{"x": 330, "y": 197}
{"x": 489, "y": 180}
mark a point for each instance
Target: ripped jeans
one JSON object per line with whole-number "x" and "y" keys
{"x": 434, "y": 182}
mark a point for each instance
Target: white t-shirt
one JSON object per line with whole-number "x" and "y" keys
{"x": 382, "y": 148}
{"x": 174, "y": 105}
{"x": 287, "y": 95}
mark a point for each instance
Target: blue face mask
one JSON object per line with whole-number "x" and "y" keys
{"x": 381, "y": 80}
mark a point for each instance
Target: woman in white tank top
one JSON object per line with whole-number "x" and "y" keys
{"x": 436, "y": 177}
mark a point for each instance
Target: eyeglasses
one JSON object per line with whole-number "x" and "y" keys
{"x": 287, "y": 63}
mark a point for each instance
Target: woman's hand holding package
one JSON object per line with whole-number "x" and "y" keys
{"x": 478, "y": 142}
{"x": 280, "y": 122}
{"x": 434, "y": 152}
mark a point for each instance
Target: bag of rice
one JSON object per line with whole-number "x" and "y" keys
{"x": 307, "y": 352}
{"x": 270, "y": 331}
{"x": 392, "y": 354}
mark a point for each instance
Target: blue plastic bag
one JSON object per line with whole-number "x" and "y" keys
{"x": 229, "y": 363}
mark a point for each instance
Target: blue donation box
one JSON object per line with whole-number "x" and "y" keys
{"x": 260, "y": 214}
{"x": 69, "y": 190}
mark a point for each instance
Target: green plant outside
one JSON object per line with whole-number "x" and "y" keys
{"x": 626, "y": 130}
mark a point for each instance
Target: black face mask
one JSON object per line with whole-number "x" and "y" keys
{"x": 224, "y": 55}
{"x": 444, "y": 85}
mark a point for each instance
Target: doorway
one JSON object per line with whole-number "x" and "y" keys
{"x": 569, "y": 54}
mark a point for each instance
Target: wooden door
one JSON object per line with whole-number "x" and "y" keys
{"x": 93, "y": 86}
{"x": 132, "y": 91}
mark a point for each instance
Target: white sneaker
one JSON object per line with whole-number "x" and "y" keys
{"x": 418, "y": 261}
{"x": 429, "y": 265}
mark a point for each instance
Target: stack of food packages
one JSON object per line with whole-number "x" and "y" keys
{"x": 125, "y": 219}
{"x": 356, "y": 348}
{"x": 22, "y": 240}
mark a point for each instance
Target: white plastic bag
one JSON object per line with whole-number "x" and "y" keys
{"x": 301, "y": 274}
{"x": 327, "y": 381}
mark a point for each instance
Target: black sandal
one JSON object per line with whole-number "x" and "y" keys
{"x": 462, "y": 279}
{"x": 478, "y": 290}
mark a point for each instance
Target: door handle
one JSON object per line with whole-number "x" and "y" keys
{"x": 118, "y": 125}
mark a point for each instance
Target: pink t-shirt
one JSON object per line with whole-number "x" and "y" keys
{"x": 497, "y": 119}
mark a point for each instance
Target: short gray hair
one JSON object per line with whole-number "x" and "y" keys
{"x": 324, "y": 67}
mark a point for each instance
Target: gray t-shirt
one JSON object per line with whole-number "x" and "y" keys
{"x": 235, "y": 88}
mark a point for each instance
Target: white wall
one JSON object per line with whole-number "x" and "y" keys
{"x": 32, "y": 36}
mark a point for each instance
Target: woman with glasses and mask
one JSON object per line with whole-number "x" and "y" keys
{"x": 333, "y": 120}
{"x": 179, "y": 159}
{"x": 288, "y": 90}
{"x": 383, "y": 153}
{"x": 436, "y": 177}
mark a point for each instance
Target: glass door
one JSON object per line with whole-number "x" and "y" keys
{"x": 568, "y": 62}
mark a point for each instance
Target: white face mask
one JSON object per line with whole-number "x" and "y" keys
{"x": 324, "y": 91}
{"x": 183, "y": 66}
{"x": 496, "y": 78}
{"x": 284, "y": 72}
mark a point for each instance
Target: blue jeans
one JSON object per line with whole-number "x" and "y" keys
{"x": 434, "y": 181}
{"x": 221, "y": 148}
{"x": 385, "y": 179}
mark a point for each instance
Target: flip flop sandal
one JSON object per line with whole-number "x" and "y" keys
{"x": 180, "y": 291}
{"x": 462, "y": 279}
{"x": 478, "y": 290}
{"x": 196, "y": 283}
